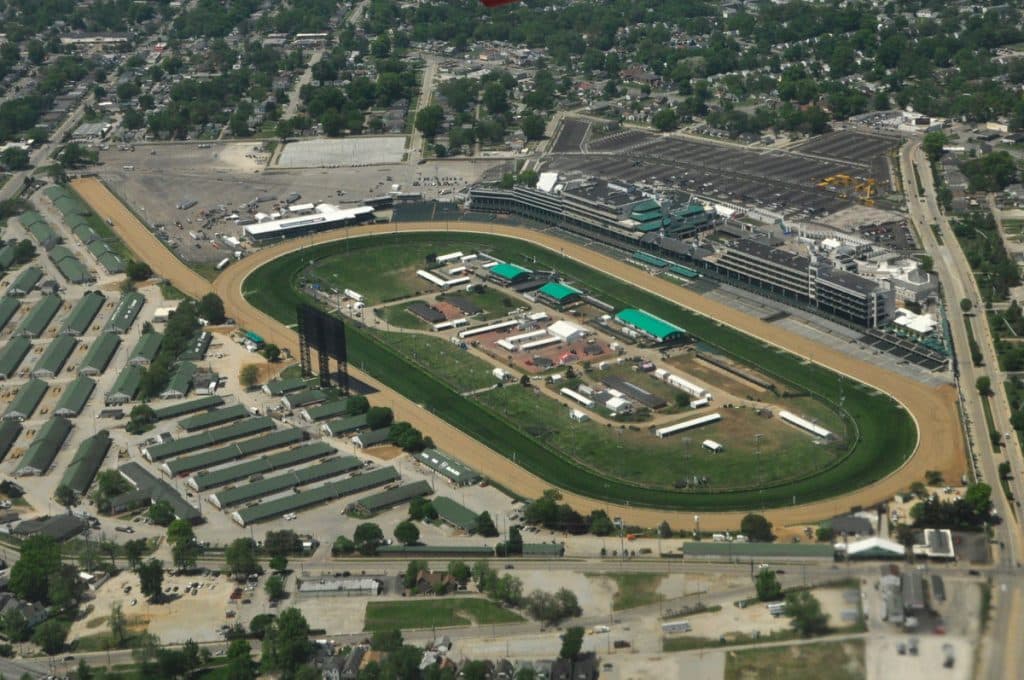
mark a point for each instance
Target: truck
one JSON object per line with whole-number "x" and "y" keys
{"x": 223, "y": 263}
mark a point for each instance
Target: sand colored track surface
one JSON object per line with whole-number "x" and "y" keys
{"x": 940, "y": 443}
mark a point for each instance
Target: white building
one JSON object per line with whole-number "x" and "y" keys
{"x": 566, "y": 331}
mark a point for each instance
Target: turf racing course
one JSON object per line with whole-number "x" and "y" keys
{"x": 939, "y": 447}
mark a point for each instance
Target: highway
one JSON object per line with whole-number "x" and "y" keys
{"x": 958, "y": 282}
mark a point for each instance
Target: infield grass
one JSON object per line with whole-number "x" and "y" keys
{"x": 435, "y": 611}
{"x": 885, "y": 433}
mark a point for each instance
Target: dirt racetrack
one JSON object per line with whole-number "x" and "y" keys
{"x": 940, "y": 442}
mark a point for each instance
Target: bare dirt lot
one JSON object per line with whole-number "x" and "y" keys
{"x": 940, "y": 443}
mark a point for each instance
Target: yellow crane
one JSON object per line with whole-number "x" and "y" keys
{"x": 845, "y": 185}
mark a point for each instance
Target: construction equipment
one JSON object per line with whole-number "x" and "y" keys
{"x": 860, "y": 188}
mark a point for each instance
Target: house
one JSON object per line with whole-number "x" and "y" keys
{"x": 34, "y": 613}
{"x": 435, "y": 583}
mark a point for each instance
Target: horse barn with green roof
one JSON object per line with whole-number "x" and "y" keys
{"x": 652, "y": 327}
{"x": 558, "y": 295}
{"x": 508, "y": 274}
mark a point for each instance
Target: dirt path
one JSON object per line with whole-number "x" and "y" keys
{"x": 940, "y": 445}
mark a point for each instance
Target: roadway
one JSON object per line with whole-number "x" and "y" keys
{"x": 958, "y": 282}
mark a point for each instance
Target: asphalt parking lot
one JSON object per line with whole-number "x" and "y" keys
{"x": 776, "y": 180}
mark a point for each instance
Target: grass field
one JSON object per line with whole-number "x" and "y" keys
{"x": 455, "y": 367}
{"x": 634, "y": 590}
{"x": 435, "y": 611}
{"x": 844, "y": 661}
{"x": 381, "y": 274}
{"x": 883, "y": 439}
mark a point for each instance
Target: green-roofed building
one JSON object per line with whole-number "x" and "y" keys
{"x": 456, "y": 472}
{"x": 26, "y": 400}
{"x": 202, "y": 440}
{"x": 9, "y": 432}
{"x": 558, "y": 295}
{"x": 83, "y": 313}
{"x": 322, "y": 494}
{"x": 25, "y": 282}
{"x": 456, "y": 514}
{"x": 277, "y": 388}
{"x": 259, "y": 488}
{"x": 12, "y": 354}
{"x": 146, "y": 349}
{"x": 732, "y": 550}
{"x": 53, "y": 358}
{"x": 6, "y": 257}
{"x": 111, "y": 262}
{"x": 8, "y": 308}
{"x": 71, "y": 268}
{"x": 75, "y": 397}
{"x": 385, "y": 500}
{"x": 126, "y": 386}
{"x": 250, "y": 469}
{"x": 186, "y": 407}
{"x": 226, "y": 454}
{"x": 180, "y": 382}
{"x": 651, "y": 326}
{"x": 87, "y": 462}
{"x": 508, "y": 274}
{"x": 98, "y": 357}
{"x": 85, "y": 234}
{"x": 42, "y": 232}
{"x": 543, "y": 549}
{"x": 218, "y": 416}
{"x": 40, "y": 316}
{"x": 197, "y": 346}
{"x": 331, "y": 409}
{"x": 339, "y": 427}
{"x": 303, "y": 398}
{"x": 98, "y": 248}
{"x": 124, "y": 315}
{"x": 45, "y": 446}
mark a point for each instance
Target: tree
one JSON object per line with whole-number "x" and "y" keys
{"x": 271, "y": 352}
{"x": 805, "y": 612}
{"x": 756, "y": 528}
{"x": 367, "y": 537}
{"x": 665, "y": 119}
{"x": 343, "y": 545}
{"x": 572, "y": 643}
{"x": 249, "y": 376}
{"x": 485, "y": 525}
{"x": 278, "y": 563}
{"x": 429, "y": 119}
{"x": 240, "y": 665}
{"x": 138, "y": 271}
{"x": 459, "y": 571}
{"x": 600, "y": 523}
{"x": 50, "y": 635}
{"x": 824, "y": 534}
{"x": 180, "y": 531}
{"x": 15, "y": 626}
{"x": 211, "y": 308}
{"x": 664, "y": 530}
{"x": 533, "y": 126}
{"x": 184, "y": 548}
{"x": 240, "y": 557}
{"x": 767, "y": 584}
{"x": 14, "y": 158}
{"x": 932, "y": 145}
{"x": 275, "y": 588}
{"x": 260, "y": 623}
{"x": 978, "y": 497}
{"x": 65, "y": 496}
{"x": 965, "y": 305}
{"x": 286, "y": 644}
{"x": 151, "y": 579}
{"x": 379, "y": 417}
{"x": 421, "y": 509}
{"x": 281, "y": 543}
{"x": 386, "y": 640}
{"x": 24, "y": 251}
{"x": 406, "y": 533}
{"x": 412, "y": 572}
{"x": 984, "y": 385}
{"x": 133, "y": 551}
{"x": 118, "y": 625}
{"x": 30, "y": 575}
{"x": 357, "y": 405}
{"x": 161, "y": 513}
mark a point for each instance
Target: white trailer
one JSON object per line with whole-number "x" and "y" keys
{"x": 500, "y": 374}
{"x": 448, "y": 257}
{"x": 436, "y": 280}
{"x": 223, "y": 263}
{"x": 351, "y": 294}
{"x": 685, "y": 385}
{"x": 576, "y": 396}
{"x": 670, "y": 627}
{"x": 663, "y": 432}
{"x": 501, "y": 325}
{"x": 543, "y": 342}
{"x": 712, "y": 446}
{"x": 804, "y": 424}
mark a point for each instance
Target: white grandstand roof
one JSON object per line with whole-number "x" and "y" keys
{"x": 325, "y": 215}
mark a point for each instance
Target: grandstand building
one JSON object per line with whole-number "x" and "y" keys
{"x": 323, "y": 217}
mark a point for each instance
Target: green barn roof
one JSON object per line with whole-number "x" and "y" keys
{"x": 558, "y": 291}
{"x": 75, "y": 397}
{"x": 657, "y": 328}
